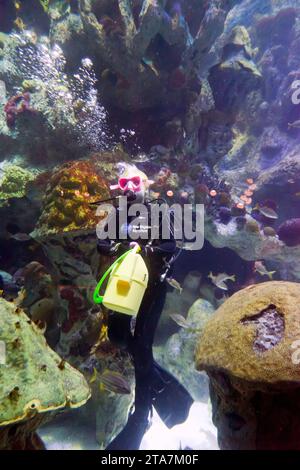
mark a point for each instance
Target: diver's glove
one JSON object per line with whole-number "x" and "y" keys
{"x": 107, "y": 247}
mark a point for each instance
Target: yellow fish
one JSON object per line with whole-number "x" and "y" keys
{"x": 261, "y": 269}
{"x": 17, "y": 5}
{"x": 1, "y": 293}
{"x": 19, "y": 23}
{"x": 103, "y": 333}
{"x": 175, "y": 284}
{"x": 45, "y": 5}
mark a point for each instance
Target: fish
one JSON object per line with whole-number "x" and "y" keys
{"x": 17, "y": 5}
{"x": 114, "y": 382}
{"x": 180, "y": 320}
{"x": 245, "y": 67}
{"x": 261, "y": 269}
{"x": 151, "y": 65}
{"x": 267, "y": 212}
{"x": 1, "y": 293}
{"x": 183, "y": 323}
{"x": 294, "y": 125}
{"x": 220, "y": 279}
{"x": 142, "y": 158}
{"x": 20, "y": 237}
{"x": 45, "y": 5}
{"x": 175, "y": 284}
{"x": 19, "y": 23}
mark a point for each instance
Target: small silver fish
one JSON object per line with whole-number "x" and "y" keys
{"x": 151, "y": 65}
{"x": 142, "y": 158}
{"x": 114, "y": 382}
{"x": 175, "y": 284}
{"x": 183, "y": 323}
{"x": 20, "y": 237}
{"x": 220, "y": 280}
{"x": 260, "y": 268}
{"x": 294, "y": 125}
{"x": 180, "y": 320}
{"x": 268, "y": 212}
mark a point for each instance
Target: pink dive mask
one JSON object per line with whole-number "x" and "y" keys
{"x": 129, "y": 184}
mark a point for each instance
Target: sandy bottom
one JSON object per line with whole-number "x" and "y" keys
{"x": 197, "y": 433}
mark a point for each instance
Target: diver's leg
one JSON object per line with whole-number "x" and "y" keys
{"x": 154, "y": 385}
{"x": 140, "y": 347}
{"x": 119, "y": 329}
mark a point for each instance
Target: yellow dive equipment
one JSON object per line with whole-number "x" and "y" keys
{"x": 126, "y": 285}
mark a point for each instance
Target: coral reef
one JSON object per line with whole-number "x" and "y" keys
{"x": 34, "y": 381}
{"x": 16, "y": 105}
{"x": 51, "y": 108}
{"x": 13, "y": 182}
{"x": 67, "y": 201}
{"x": 248, "y": 351}
{"x": 66, "y": 230}
{"x": 125, "y": 37}
{"x": 41, "y": 301}
{"x": 204, "y": 98}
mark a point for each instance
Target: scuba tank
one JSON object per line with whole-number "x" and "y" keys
{"x": 126, "y": 285}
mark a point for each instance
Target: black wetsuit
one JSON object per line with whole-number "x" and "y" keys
{"x": 154, "y": 386}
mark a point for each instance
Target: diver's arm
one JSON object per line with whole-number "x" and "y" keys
{"x": 164, "y": 248}
{"x": 108, "y": 246}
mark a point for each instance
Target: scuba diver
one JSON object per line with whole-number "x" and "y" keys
{"x": 153, "y": 385}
